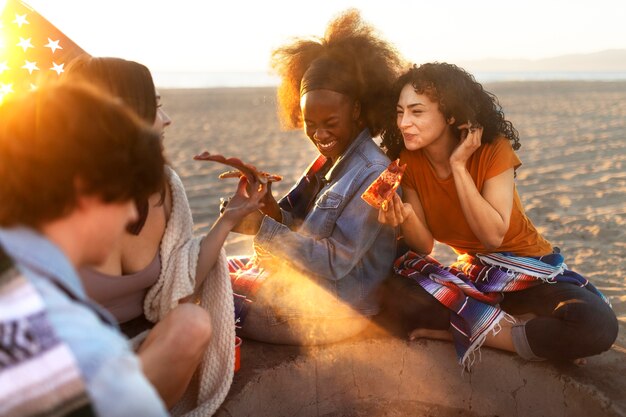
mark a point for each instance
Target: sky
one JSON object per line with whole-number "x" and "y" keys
{"x": 230, "y": 35}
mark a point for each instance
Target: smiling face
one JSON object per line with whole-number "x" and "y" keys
{"x": 330, "y": 121}
{"x": 420, "y": 120}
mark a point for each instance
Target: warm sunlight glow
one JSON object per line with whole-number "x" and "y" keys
{"x": 3, "y": 60}
{"x": 6, "y": 86}
{"x": 32, "y": 50}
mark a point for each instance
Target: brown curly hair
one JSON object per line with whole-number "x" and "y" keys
{"x": 458, "y": 95}
{"x": 353, "y": 44}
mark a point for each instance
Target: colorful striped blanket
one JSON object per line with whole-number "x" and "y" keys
{"x": 39, "y": 374}
{"x": 472, "y": 288}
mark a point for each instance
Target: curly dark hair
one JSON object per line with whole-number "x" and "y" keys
{"x": 458, "y": 95}
{"x": 373, "y": 63}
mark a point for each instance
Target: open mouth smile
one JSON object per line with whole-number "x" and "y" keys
{"x": 326, "y": 146}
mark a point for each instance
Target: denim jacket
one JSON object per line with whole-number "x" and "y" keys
{"x": 340, "y": 243}
{"x": 112, "y": 373}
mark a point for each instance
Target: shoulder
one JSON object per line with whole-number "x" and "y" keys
{"x": 497, "y": 156}
{"x": 373, "y": 157}
{"x": 500, "y": 146}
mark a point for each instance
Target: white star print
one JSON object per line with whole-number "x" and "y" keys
{"x": 30, "y": 66}
{"x": 54, "y": 45}
{"x": 25, "y": 43}
{"x": 3, "y": 67}
{"x": 21, "y": 20}
{"x": 6, "y": 88}
{"x": 58, "y": 68}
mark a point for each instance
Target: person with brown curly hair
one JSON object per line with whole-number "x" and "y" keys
{"x": 459, "y": 189}
{"x": 320, "y": 252}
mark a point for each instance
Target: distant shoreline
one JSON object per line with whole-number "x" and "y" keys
{"x": 604, "y": 85}
{"x": 201, "y": 80}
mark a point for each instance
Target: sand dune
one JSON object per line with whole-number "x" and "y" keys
{"x": 572, "y": 182}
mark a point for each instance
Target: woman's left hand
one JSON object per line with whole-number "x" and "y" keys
{"x": 471, "y": 136}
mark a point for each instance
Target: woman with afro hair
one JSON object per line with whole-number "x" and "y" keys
{"x": 320, "y": 252}
{"x": 509, "y": 287}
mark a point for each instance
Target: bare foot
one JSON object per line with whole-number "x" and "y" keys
{"x": 580, "y": 361}
{"x": 430, "y": 334}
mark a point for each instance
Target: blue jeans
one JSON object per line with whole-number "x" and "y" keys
{"x": 571, "y": 321}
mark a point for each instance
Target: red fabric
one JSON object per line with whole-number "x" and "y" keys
{"x": 32, "y": 50}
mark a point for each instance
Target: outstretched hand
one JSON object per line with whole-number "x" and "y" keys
{"x": 247, "y": 199}
{"x": 471, "y": 136}
{"x": 395, "y": 212}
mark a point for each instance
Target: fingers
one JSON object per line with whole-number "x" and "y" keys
{"x": 392, "y": 213}
{"x": 465, "y": 126}
{"x": 258, "y": 191}
{"x": 397, "y": 208}
{"x": 382, "y": 216}
{"x": 242, "y": 186}
{"x": 254, "y": 192}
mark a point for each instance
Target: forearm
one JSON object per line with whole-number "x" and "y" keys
{"x": 484, "y": 220}
{"x": 416, "y": 235}
{"x": 332, "y": 257}
{"x": 210, "y": 248}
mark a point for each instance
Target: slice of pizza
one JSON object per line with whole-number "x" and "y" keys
{"x": 241, "y": 168}
{"x": 381, "y": 191}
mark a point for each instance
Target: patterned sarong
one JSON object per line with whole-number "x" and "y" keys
{"x": 247, "y": 274}
{"x": 39, "y": 374}
{"x": 472, "y": 287}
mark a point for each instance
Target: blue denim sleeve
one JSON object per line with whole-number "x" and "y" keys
{"x": 331, "y": 257}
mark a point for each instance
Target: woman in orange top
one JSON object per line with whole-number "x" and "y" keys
{"x": 459, "y": 189}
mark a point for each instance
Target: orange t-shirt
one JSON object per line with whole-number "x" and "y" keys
{"x": 442, "y": 207}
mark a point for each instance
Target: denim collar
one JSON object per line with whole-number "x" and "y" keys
{"x": 335, "y": 170}
{"x": 33, "y": 250}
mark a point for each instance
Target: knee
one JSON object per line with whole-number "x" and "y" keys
{"x": 191, "y": 328}
{"x": 594, "y": 323}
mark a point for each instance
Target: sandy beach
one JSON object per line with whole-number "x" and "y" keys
{"x": 572, "y": 181}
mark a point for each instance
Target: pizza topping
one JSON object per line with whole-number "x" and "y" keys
{"x": 381, "y": 191}
{"x": 383, "y": 188}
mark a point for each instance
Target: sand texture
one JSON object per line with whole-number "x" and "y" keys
{"x": 572, "y": 181}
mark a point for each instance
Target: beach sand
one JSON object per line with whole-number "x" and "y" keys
{"x": 572, "y": 181}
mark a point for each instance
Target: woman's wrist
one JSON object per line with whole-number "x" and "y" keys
{"x": 458, "y": 167}
{"x": 274, "y": 212}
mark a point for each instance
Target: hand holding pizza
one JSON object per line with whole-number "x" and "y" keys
{"x": 395, "y": 211}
